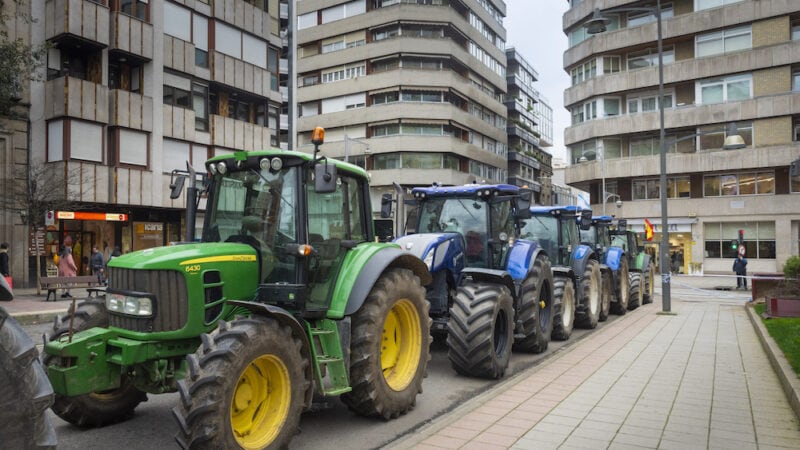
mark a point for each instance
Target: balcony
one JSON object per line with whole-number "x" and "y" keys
{"x": 247, "y": 17}
{"x": 76, "y": 21}
{"x": 130, "y": 110}
{"x": 178, "y": 122}
{"x": 239, "y": 135}
{"x": 242, "y": 75}
{"x": 73, "y": 97}
{"x": 132, "y": 36}
{"x": 518, "y": 131}
{"x": 178, "y": 54}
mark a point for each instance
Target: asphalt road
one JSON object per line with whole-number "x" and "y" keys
{"x": 329, "y": 424}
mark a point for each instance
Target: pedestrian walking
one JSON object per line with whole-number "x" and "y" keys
{"x": 66, "y": 268}
{"x": 740, "y": 268}
{"x": 5, "y": 266}
{"x": 98, "y": 265}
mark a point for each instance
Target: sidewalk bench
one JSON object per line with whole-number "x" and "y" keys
{"x": 54, "y": 283}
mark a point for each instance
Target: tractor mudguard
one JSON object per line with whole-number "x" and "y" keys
{"x": 564, "y": 271}
{"x": 492, "y": 276}
{"x": 521, "y": 258}
{"x": 285, "y": 318}
{"x": 362, "y": 268}
{"x": 645, "y": 260}
{"x": 638, "y": 263}
{"x": 613, "y": 257}
{"x": 581, "y": 257}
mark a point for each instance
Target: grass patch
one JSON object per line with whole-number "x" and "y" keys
{"x": 786, "y": 333}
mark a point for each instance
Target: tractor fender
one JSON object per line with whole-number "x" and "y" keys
{"x": 645, "y": 261}
{"x": 439, "y": 251}
{"x": 604, "y": 269}
{"x": 564, "y": 271}
{"x": 613, "y": 257}
{"x": 580, "y": 257}
{"x": 368, "y": 270}
{"x": 521, "y": 258}
{"x": 285, "y": 318}
{"x": 490, "y": 276}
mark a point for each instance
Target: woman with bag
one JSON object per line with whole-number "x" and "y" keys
{"x": 67, "y": 268}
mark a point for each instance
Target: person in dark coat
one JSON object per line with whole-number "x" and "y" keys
{"x": 740, "y": 268}
{"x": 5, "y": 268}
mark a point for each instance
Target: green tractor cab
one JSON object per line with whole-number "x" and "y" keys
{"x": 286, "y": 292}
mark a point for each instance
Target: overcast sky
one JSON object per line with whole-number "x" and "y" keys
{"x": 534, "y": 29}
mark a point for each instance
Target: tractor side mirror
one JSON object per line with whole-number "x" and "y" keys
{"x": 586, "y": 219}
{"x": 622, "y": 224}
{"x": 386, "y": 206}
{"x": 176, "y": 187}
{"x": 524, "y": 204}
{"x": 325, "y": 178}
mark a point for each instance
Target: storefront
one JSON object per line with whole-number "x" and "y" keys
{"x": 680, "y": 241}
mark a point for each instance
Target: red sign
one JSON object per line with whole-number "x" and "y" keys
{"x": 83, "y": 215}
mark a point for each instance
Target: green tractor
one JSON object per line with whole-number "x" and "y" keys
{"x": 285, "y": 294}
{"x": 642, "y": 268}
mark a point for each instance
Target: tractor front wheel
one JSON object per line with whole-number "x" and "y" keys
{"x": 536, "y": 308}
{"x": 245, "y": 387}
{"x": 564, "y": 295}
{"x": 95, "y": 409}
{"x": 390, "y": 347}
{"x": 25, "y": 391}
{"x": 622, "y": 290}
{"x": 637, "y": 290}
{"x": 605, "y": 305}
{"x": 591, "y": 296}
{"x": 649, "y": 284}
{"x": 481, "y": 330}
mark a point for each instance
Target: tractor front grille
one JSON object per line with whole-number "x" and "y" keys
{"x": 171, "y": 305}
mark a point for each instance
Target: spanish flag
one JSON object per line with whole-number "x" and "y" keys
{"x": 648, "y": 230}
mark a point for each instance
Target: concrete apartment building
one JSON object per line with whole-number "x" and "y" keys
{"x": 725, "y": 61}
{"x": 412, "y": 90}
{"x": 530, "y": 130}
{"x": 132, "y": 89}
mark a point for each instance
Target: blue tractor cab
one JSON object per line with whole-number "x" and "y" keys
{"x": 596, "y": 231}
{"x": 490, "y": 289}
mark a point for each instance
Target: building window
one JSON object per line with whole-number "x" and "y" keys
{"x": 580, "y": 34}
{"x": 648, "y": 101}
{"x": 134, "y": 8}
{"x": 641, "y": 18}
{"x": 200, "y": 106}
{"x": 759, "y": 239}
{"x": 714, "y": 136}
{"x": 649, "y": 57}
{"x": 707, "y": 4}
{"x": 584, "y": 72}
{"x": 611, "y": 64}
{"x": 720, "y": 90}
{"x": 795, "y": 30}
{"x": 175, "y": 96}
{"x": 344, "y": 73}
{"x": 650, "y": 189}
{"x": 746, "y": 183}
{"x": 723, "y": 41}
{"x": 127, "y": 77}
{"x": 796, "y": 80}
{"x": 200, "y": 40}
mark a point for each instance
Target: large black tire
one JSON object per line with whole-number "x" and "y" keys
{"x": 25, "y": 391}
{"x": 649, "y": 285}
{"x": 637, "y": 291}
{"x": 536, "y": 308}
{"x": 390, "y": 349}
{"x": 481, "y": 330}
{"x": 245, "y": 387}
{"x": 564, "y": 318}
{"x": 96, "y": 409}
{"x": 607, "y": 295}
{"x": 587, "y": 310}
{"x": 622, "y": 291}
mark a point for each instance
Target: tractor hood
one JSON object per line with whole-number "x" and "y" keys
{"x": 176, "y": 256}
{"x": 436, "y": 250}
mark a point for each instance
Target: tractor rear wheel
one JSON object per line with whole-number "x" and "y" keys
{"x": 607, "y": 294}
{"x": 637, "y": 290}
{"x": 25, "y": 391}
{"x": 649, "y": 284}
{"x": 622, "y": 290}
{"x": 390, "y": 350}
{"x": 96, "y": 409}
{"x": 245, "y": 387}
{"x": 588, "y": 311}
{"x": 536, "y": 307}
{"x": 564, "y": 296}
{"x": 481, "y": 330}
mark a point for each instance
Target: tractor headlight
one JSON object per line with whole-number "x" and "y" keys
{"x": 222, "y": 168}
{"x": 126, "y": 304}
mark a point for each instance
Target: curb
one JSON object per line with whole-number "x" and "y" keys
{"x": 37, "y": 317}
{"x": 787, "y": 376}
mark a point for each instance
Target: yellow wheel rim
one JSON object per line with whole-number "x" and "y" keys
{"x": 260, "y": 402}
{"x": 401, "y": 345}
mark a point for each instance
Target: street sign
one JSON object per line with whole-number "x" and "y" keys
{"x": 36, "y": 243}
{"x": 742, "y": 250}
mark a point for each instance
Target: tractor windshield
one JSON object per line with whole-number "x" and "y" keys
{"x": 543, "y": 230}
{"x": 589, "y": 236}
{"x": 466, "y": 216}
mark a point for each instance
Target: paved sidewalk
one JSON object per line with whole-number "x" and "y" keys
{"x": 27, "y": 307}
{"x": 696, "y": 379}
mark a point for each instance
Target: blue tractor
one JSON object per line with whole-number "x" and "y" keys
{"x": 642, "y": 268}
{"x": 596, "y": 233}
{"x": 577, "y": 273}
{"x": 490, "y": 290}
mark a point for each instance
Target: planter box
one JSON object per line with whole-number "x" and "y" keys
{"x": 782, "y": 307}
{"x": 764, "y": 285}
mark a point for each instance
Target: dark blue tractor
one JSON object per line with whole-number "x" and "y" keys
{"x": 577, "y": 274}
{"x": 596, "y": 233}
{"x": 490, "y": 290}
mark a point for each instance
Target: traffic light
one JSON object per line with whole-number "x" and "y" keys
{"x": 734, "y": 245}
{"x": 741, "y": 237}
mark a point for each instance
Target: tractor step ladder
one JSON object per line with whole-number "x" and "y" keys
{"x": 329, "y": 365}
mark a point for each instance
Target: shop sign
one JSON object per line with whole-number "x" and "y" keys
{"x": 36, "y": 243}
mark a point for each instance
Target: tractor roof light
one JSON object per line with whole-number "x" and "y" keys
{"x": 222, "y": 168}
{"x": 264, "y": 164}
{"x": 212, "y": 167}
{"x": 318, "y": 136}
{"x": 276, "y": 164}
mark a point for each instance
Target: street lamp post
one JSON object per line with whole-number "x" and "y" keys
{"x": 597, "y": 24}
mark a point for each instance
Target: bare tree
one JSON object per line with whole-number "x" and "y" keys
{"x": 19, "y": 59}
